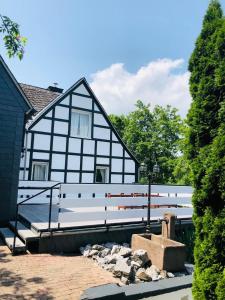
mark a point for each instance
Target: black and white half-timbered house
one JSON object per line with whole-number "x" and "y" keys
{"x": 72, "y": 140}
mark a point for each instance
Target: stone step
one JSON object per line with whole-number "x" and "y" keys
{"x": 25, "y": 233}
{"x": 28, "y": 224}
{"x": 8, "y": 237}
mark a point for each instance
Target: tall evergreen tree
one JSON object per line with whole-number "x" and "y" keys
{"x": 206, "y": 151}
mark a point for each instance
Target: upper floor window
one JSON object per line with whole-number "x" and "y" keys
{"x": 81, "y": 124}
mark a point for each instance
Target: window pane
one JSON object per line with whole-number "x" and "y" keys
{"x": 100, "y": 175}
{"x": 39, "y": 172}
{"x": 75, "y": 120}
{"x": 80, "y": 124}
{"x": 84, "y": 125}
{"x": 103, "y": 171}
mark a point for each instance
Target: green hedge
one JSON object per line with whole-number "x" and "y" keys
{"x": 206, "y": 152}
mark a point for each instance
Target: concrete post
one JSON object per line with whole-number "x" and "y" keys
{"x": 168, "y": 226}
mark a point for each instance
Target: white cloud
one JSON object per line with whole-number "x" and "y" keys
{"x": 157, "y": 83}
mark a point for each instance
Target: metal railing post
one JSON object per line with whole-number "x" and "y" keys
{"x": 15, "y": 228}
{"x": 50, "y": 210}
{"x": 148, "y": 227}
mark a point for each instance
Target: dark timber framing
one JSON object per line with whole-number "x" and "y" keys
{"x": 67, "y": 139}
{"x": 96, "y": 108}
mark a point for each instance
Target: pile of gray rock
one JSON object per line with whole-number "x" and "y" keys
{"x": 129, "y": 266}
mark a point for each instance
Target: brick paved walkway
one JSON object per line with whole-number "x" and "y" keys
{"x": 45, "y": 276}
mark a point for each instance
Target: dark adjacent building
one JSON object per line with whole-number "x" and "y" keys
{"x": 14, "y": 112}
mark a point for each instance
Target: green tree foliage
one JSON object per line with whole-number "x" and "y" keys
{"x": 182, "y": 173}
{"x": 12, "y": 39}
{"x": 203, "y": 116}
{"x": 206, "y": 152}
{"x": 119, "y": 122}
{"x": 154, "y": 135}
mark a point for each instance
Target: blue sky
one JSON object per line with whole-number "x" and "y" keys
{"x": 75, "y": 38}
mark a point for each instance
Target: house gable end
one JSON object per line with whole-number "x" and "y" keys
{"x": 73, "y": 158}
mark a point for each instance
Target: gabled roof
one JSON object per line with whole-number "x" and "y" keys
{"x": 19, "y": 89}
{"x": 60, "y": 97}
{"x": 38, "y": 97}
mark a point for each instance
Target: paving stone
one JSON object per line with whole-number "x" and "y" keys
{"x": 46, "y": 276}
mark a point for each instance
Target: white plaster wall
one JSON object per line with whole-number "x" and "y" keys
{"x": 117, "y": 165}
{"x": 88, "y": 147}
{"x": 61, "y": 127}
{"x": 116, "y": 178}
{"x": 43, "y": 125}
{"x": 101, "y": 133}
{"x": 87, "y": 177}
{"x": 73, "y": 162}
{"x": 129, "y": 166}
{"x": 40, "y": 155}
{"x": 72, "y": 177}
{"x": 129, "y": 178}
{"x": 83, "y": 102}
{"x": 27, "y": 160}
{"x": 57, "y": 176}
{"x": 21, "y": 162}
{"x": 49, "y": 114}
{"x": 82, "y": 90}
{"x": 58, "y": 161}
{"x": 28, "y": 140}
{"x": 88, "y": 163}
{"x": 62, "y": 112}
{"x": 59, "y": 143}
{"x": 41, "y": 141}
{"x": 102, "y": 160}
{"x": 117, "y": 150}
{"x": 103, "y": 148}
{"x": 114, "y": 138}
{"x": 96, "y": 107}
{"x": 126, "y": 154}
{"x": 74, "y": 145}
{"x": 66, "y": 101}
{"x": 21, "y": 175}
{"x": 99, "y": 119}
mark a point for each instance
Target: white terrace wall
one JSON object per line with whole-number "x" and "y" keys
{"x": 71, "y": 159}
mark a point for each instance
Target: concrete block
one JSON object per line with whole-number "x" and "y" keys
{"x": 104, "y": 292}
{"x": 164, "y": 253}
{"x": 137, "y": 291}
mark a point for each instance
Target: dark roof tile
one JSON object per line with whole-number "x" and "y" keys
{"x": 38, "y": 97}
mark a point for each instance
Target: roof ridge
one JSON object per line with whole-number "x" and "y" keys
{"x": 35, "y": 86}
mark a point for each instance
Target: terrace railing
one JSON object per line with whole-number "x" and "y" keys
{"x": 108, "y": 204}
{"x": 94, "y": 205}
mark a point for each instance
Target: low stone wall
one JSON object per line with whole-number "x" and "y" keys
{"x": 71, "y": 241}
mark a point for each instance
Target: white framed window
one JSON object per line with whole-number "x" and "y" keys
{"x": 102, "y": 174}
{"x": 80, "y": 124}
{"x": 39, "y": 170}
